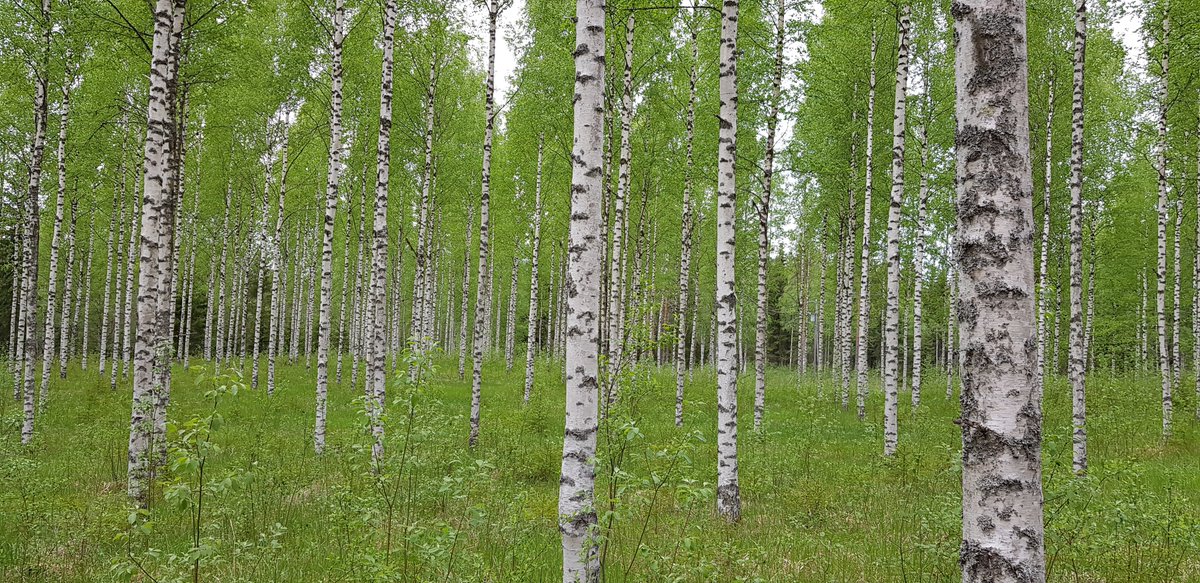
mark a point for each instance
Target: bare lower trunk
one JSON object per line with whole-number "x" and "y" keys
{"x": 729, "y": 504}
{"x": 685, "y": 238}
{"x": 1164, "y": 369}
{"x": 48, "y": 335}
{"x": 1043, "y": 270}
{"x": 331, "y": 202}
{"x": 532, "y": 326}
{"x": 1002, "y": 529}
{"x": 892, "y": 326}
{"x": 466, "y": 294}
{"x": 864, "y": 291}
{"x": 1078, "y": 351}
{"x": 64, "y": 328}
{"x": 510, "y": 327}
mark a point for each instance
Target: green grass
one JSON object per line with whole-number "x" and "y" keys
{"x": 820, "y": 503}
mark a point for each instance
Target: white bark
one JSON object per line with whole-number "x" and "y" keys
{"x": 892, "y": 326}
{"x": 64, "y": 327}
{"x": 1164, "y": 368}
{"x": 1003, "y": 534}
{"x": 466, "y": 293}
{"x": 1078, "y": 351}
{"x": 333, "y": 175}
{"x": 728, "y": 497}
{"x": 48, "y": 335}
{"x": 919, "y": 257}
{"x": 576, "y": 506}
{"x": 686, "y": 226}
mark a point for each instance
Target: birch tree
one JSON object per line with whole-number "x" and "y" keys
{"x": 576, "y": 485}
{"x": 1164, "y": 367}
{"x": 892, "y": 326}
{"x": 686, "y": 229}
{"x": 864, "y": 295}
{"x": 333, "y": 175}
{"x": 1078, "y": 353}
{"x": 531, "y": 342}
{"x": 1003, "y": 534}
{"x": 48, "y": 336}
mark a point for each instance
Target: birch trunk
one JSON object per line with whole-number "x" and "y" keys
{"x": 1043, "y": 270}
{"x": 728, "y": 497}
{"x": 276, "y": 259}
{"x": 85, "y": 283}
{"x": 331, "y": 202}
{"x": 48, "y": 335}
{"x": 466, "y": 294}
{"x": 483, "y": 300}
{"x": 919, "y": 257}
{"x": 262, "y": 250}
{"x": 64, "y": 327}
{"x": 616, "y": 278}
{"x": 1164, "y": 369}
{"x": 221, "y": 278}
{"x": 346, "y": 285}
{"x": 1001, "y": 411}
{"x": 576, "y": 489}
{"x": 686, "y": 226}
{"x": 1175, "y": 364}
{"x": 419, "y": 333}
{"x": 531, "y": 334}
{"x": 1078, "y": 352}
{"x": 131, "y": 265}
{"x": 764, "y": 209}
{"x": 32, "y": 228}
{"x": 511, "y": 318}
{"x": 892, "y": 326}
{"x": 864, "y": 290}
{"x": 377, "y": 352}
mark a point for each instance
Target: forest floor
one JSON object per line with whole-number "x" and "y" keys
{"x": 820, "y": 503}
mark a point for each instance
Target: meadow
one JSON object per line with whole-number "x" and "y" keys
{"x": 820, "y": 501}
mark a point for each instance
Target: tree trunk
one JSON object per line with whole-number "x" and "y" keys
{"x": 764, "y": 209}
{"x": 152, "y": 351}
{"x": 275, "y": 261}
{"x": 919, "y": 254}
{"x": 531, "y": 342}
{"x": 376, "y": 305}
{"x": 892, "y": 326}
{"x": 616, "y": 278}
{"x": 85, "y": 283}
{"x": 1078, "y": 352}
{"x": 864, "y": 291}
{"x": 466, "y": 293}
{"x": 1001, "y": 410}
{"x": 419, "y": 332}
{"x": 333, "y": 177}
{"x": 64, "y": 328}
{"x": 1043, "y": 270}
{"x": 1164, "y": 369}
{"x": 510, "y": 319}
{"x": 576, "y": 509}
{"x": 686, "y": 226}
{"x": 262, "y": 250}
{"x": 32, "y": 228}
{"x": 729, "y": 504}
{"x": 48, "y": 335}
{"x": 483, "y": 300}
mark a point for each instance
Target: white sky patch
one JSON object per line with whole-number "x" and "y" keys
{"x": 1127, "y": 28}
{"x": 506, "y": 54}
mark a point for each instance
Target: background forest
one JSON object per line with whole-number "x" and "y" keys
{"x": 446, "y": 469}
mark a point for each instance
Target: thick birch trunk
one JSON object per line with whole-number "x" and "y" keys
{"x": 892, "y": 326}
{"x": 1001, "y": 411}
{"x": 331, "y": 202}
{"x": 1078, "y": 351}
{"x": 576, "y": 507}
{"x": 531, "y": 342}
{"x": 483, "y": 300}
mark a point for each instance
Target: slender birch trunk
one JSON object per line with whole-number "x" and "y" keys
{"x": 729, "y": 503}
{"x": 466, "y": 294}
{"x": 576, "y": 508}
{"x": 1043, "y": 270}
{"x": 419, "y": 332}
{"x": 85, "y": 283}
{"x": 131, "y": 266}
{"x": 331, "y": 200}
{"x": 64, "y": 327}
{"x": 346, "y": 285}
{"x": 32, "y": 228}
{"x": 1003, "y": 534}
{"x": 484, "y": 300}
{"x": 531, "y": 343}
{"x": 919, "y": 256}
{"x": 892, "y": 326}
{"x": 275, "y": 264}
{"x": 952, "y": 339}
{"x": 262, "y": 250}
{"x": 686, "y": 226}
{"x": 764, "y": 209}
{"x": 1078, "y": 352}
{"x": 616, "y": 277}
{"x": 864, "y": 289}
{"x": 377, "y": 352}
{"x": 1195, "y": 282}
{"x": 510, "y": 327}
{"x": 221, "y": 278}
{"x": 1163, "y": 357}
{"x": 1176, "y": 275}
{"x": 48, "y": 335}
